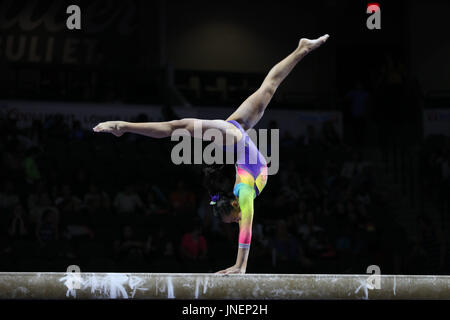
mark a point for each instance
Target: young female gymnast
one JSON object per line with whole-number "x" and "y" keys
{"x": 231, "y": 202}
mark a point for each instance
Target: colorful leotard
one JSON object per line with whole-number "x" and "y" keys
{"x": 251, "y": 167}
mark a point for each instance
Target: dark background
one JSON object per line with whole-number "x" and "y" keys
{"x": 376, "y": 194}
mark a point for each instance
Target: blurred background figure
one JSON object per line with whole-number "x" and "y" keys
{"x": 128, "y": 202}
{"x": 193, "y": 248}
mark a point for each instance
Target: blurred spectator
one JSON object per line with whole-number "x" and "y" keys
{"x": 78, "y": 226}
{"x": 129, "y": 245}
{"x": 193, "y": 244}
{"x": 43, "y": 203}
{"x": 311, "y": 236}
{"x": 34, "y": 193}
{"x": 17, "y": 227}
{"x": 128, "y": 201}
{"x": 47, "y": 228}
{"x": 157, "y": 241}
{"x": 152, "y": 204}
{"x": 168, "y": 261}
{"x": 96, "y": 199}
{"x": 66, "y": 202}
{"x": 8, "y": 196}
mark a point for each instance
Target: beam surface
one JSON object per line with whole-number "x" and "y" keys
{"x": 56, "y": 286}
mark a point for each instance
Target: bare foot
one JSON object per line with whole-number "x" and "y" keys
{"x": 306, "y": 45}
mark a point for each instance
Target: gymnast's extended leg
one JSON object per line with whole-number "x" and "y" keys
{"x": 247, "y": 115}
{"x": 252, "y": 109}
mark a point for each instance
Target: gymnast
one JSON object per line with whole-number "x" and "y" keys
{"x": 231, "y": 202}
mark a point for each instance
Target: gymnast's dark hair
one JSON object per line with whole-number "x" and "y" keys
{"x": 219, "y": 181}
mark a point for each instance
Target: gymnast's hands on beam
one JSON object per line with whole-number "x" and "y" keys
{"x": 241, "y": 263}
{"x": 232, "y": 270}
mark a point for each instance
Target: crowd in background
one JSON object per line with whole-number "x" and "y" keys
{"x": 70, "y": 196}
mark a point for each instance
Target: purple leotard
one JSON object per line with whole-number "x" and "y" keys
{"x": 248, "y": 156}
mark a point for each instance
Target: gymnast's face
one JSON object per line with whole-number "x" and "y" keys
{"x": 235, "y": 214}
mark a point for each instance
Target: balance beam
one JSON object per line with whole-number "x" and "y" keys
{"x": 58, "y": 286}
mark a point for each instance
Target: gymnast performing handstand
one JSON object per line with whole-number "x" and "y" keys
{"x": 231, "y": 202}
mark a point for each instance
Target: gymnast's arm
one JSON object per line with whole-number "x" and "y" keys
{"x": 246, "y": 195}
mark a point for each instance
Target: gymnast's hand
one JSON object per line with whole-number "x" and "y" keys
{"x": 232, "y": 270}
{"x": 117, "y": 128}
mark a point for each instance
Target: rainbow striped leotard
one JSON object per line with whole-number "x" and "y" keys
{"x": 251, "y": 167}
